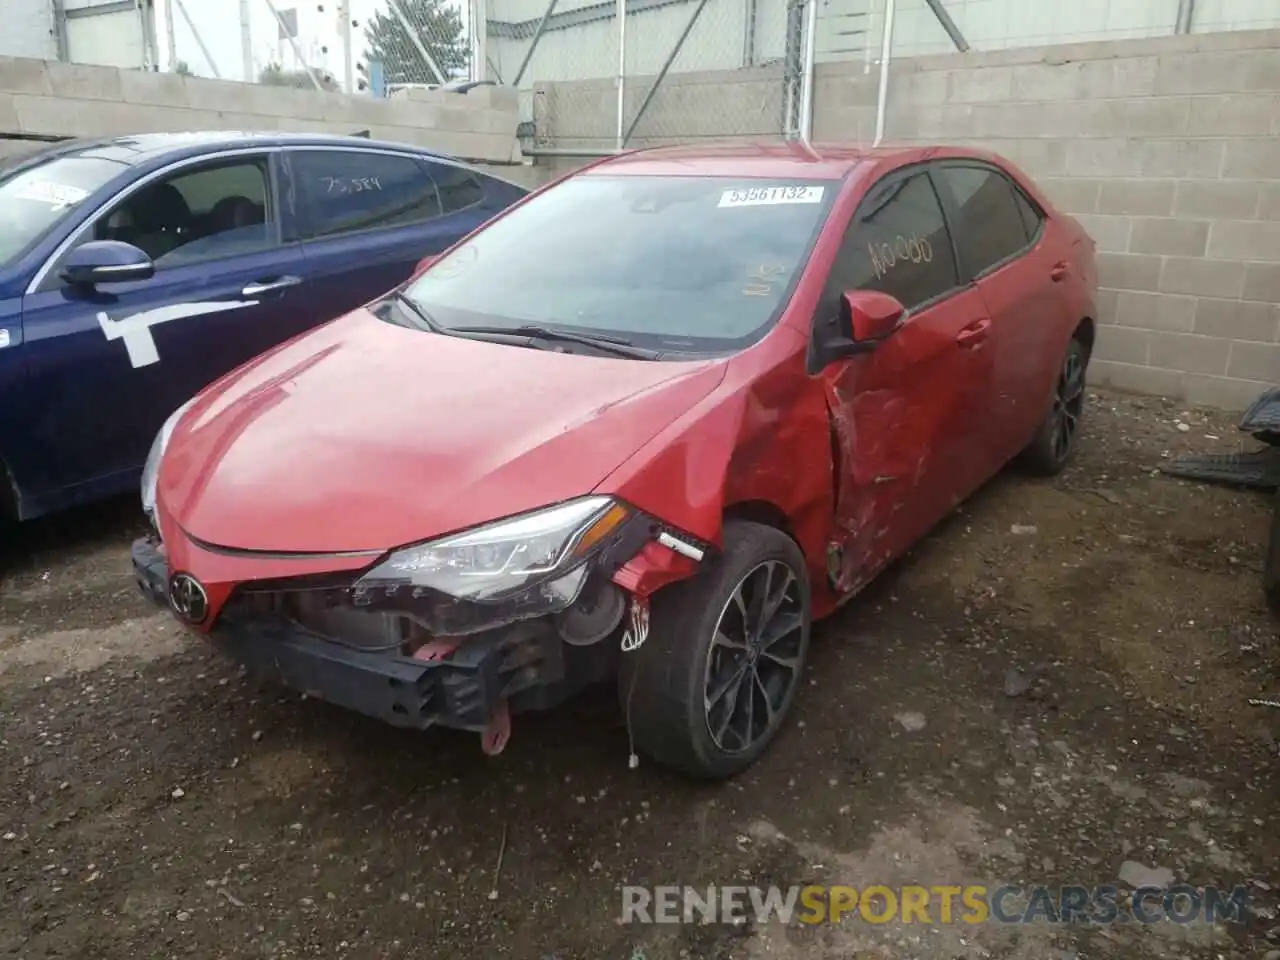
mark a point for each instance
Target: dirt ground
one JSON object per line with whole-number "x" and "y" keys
{"x": 1054, "y": 684}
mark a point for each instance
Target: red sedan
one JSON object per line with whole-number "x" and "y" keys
{"x": 648, "y": 424}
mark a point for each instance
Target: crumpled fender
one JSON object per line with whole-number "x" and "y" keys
{"x": 760, "y": 443}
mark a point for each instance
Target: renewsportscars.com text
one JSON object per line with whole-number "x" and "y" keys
{"x": 972, "y": 904}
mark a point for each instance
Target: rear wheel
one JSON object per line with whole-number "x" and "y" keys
{"x": 1054, "y": 444}
{"x": 711, "y": 687}
{"x": 1271, "y": 568}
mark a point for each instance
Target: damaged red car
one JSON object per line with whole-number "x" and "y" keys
{"x": 645, "y": 426}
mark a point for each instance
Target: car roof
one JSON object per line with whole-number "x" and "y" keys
{"x": 789, "y": 160}
{"x": 144, "y": 149}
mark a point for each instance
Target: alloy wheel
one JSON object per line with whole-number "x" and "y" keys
{"x": 755, "y": 657}
{"x": 1068, "y": 402}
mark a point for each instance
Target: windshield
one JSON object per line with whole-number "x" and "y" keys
{"x": 681, "y": 264}
{"x": 35, "y": 199}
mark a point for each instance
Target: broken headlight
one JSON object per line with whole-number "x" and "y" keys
{"x": 543, "y": 553}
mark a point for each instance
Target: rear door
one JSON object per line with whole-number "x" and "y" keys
{"x": 903, "y": 413}
{"x": 111, "y": 364}
{"x": 1001, "y": 238}
{"x": 369, "y": 216}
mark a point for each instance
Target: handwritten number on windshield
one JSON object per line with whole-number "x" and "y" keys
{"x": 760, "y": 281}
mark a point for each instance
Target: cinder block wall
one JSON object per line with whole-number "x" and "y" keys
{"x": 1166, "y": 149}
{"x": 40, "y": 98}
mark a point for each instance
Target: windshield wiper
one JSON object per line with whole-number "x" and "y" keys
{"x": 615, "y": 345}
{"x": 423, "y": 318}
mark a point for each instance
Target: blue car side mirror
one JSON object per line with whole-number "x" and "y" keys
{"x": 106, "y": 261}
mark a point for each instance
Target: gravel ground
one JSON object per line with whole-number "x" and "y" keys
{"x": 1052, "y": 685}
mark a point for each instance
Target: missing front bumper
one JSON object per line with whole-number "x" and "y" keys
{"x": 522, "y": 665}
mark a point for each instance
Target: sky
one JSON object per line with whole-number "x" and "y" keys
{"x": 218, "y": 24}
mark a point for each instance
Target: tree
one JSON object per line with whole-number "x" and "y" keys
{"x": 439, "y": 28}
{"x": 182, "y": 69}
{"x": 274, "y": 75}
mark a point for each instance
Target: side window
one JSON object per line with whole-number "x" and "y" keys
{"x": 459, "y": 188}
{"x": 992, "y": 226}
{"x": 898, "y": 244}
{"x": 347, "y": 191}
{"x": 215, "y": 211}
{"x": 1031, "y": 217}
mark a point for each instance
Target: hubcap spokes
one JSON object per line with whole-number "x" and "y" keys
{"x": 1068, "y": 401}
{"x": 754, "y": 659}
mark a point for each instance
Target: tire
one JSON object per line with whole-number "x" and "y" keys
{"x": 1271, "y": 568}
{"x": 663, "y": 686}
{"x": 1054, "y": 443}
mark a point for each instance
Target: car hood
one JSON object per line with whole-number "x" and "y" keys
{"x": 362, "y": 435}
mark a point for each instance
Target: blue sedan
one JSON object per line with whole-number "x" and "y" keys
{"x": 135, "y": 271}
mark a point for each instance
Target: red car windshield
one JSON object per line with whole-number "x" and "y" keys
{"x": 681, "y": 264}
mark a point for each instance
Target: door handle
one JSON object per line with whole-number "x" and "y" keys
{"x": 974, "y": 333}
{"x": 257, "y": 289}
{"x": 1059, "y": 272}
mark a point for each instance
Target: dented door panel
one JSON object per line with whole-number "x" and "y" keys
{"x": 903, "y": 418}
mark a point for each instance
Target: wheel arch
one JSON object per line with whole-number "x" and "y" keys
{"x": 1086, "y": 332}
{"x": 9, "y": 496}
{"x": 763, "y": 512}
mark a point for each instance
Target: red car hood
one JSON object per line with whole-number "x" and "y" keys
{"x": 363, "y": 435}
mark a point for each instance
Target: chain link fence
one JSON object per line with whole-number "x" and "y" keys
{"x": 599, "y": 76}
{"x": 376, "y": 47}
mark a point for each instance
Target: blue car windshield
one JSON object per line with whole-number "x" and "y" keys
{"x": 35, "y": 199}
{"x": 684, "y": 264}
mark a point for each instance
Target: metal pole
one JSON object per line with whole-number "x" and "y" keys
{"x": 246, "y": 43}
{"x": 293, "y": 44}
{"x": 648, "y": 97}
{"x": 204, "y": 50}
{"x": 170, "y": 35}
{"x": 480, "y": 63}
{"x": 806, "y": 77}
{"x": 533, "y": 44}
{"x": 348, "y": 55}
{"x": 415, "y": 40}
{"x": 622, "y": 69}
{"x": 886, "y": 51}
{"x": 948, "y": 25}
{"x": 1186, "y": 14}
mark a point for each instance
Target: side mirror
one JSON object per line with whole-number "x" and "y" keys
{"x": 106, "y": 261}
{"x": 871, "y": 315}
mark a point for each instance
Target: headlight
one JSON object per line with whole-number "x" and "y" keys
{"x": 545, "y": 550}
{"x": 151, "y": 471}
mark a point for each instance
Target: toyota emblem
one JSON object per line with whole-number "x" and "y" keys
{"x": 188, "y": 599}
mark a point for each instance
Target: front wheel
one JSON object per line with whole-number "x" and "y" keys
{"x": 1271, "y": 568}
{"x": 711, "y": 687}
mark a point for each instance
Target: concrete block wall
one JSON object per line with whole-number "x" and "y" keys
{"x": 40, "y": 98}
{"x": 1167, "y": 149}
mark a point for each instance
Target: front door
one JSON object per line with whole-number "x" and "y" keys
{"x": 109, "y": 365}
{"x": 905, "y": 413}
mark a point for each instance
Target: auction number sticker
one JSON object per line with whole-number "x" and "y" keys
{"x": 770, "y": 196}
{"x": 55, "y": 194}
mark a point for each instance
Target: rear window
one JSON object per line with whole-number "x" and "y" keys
{"x": 993, "y": 228}
{"x": 670, "y": 263}
{"x": 35, "y": 199}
